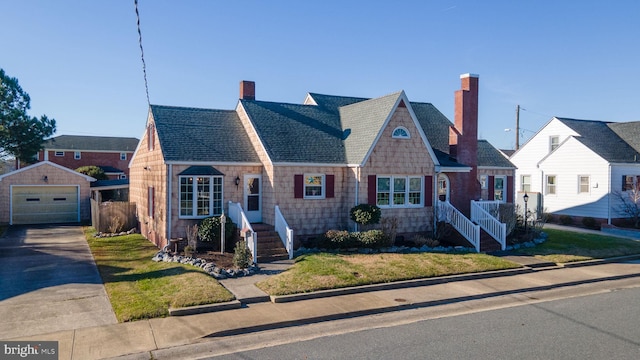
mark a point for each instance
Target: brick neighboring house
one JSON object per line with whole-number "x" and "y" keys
{"x": 314, "y": 161}
{"x": 72, "y": 151}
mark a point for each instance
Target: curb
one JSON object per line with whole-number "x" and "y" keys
{"x": 396, "y": 285}
{"x": 201, "y": 309}
{"x": 600, "y": 261}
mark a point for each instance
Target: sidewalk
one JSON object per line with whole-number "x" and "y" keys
{"x": 166, "y": 336}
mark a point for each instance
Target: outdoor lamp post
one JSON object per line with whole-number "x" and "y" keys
{"x": 525, "y": 198}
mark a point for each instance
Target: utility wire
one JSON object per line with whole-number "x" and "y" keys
{"x": 144, "y": 66}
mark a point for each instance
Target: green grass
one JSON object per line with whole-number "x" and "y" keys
{"x": 322, "y": 271}
{"x": 566, "y": 246}
{"x": 139, "y": 288}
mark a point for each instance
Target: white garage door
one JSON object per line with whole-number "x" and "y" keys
{"x": 44, "y": 204}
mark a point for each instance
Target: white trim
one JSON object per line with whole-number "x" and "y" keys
{"x": 457, "y": 169}
{"x": 323, "y": 185}
{"x": 212, "y": 163}
{"x": 169, "y": 197}
{"x": 88, "y": 150}
{"x": 309, "y": 164}
{"x": 407, "y": 191}
{"x": 406, "y": 131}
{"x": 256, "y": 215}
{"x": 240, "y": 108}
{"x": 78, "y": 203}
{"x": 149, "y": 116}
{"x": 309, "y": 100}
{"x": 496, "y": 168}
{"x": 462, "y": 76}
{"x": 33, "y": 166}
{"x": 195, "y": 194}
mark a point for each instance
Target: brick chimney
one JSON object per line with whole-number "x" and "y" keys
{"x": 247, "y": 90}
{"x": 463, "y": 136}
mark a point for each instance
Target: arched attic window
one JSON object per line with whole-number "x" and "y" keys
{"x": 400, "y": 132}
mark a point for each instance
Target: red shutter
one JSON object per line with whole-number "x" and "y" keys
{"x": 428, "y": 191}
{"x": 372, "y": 190}
{"x": 510, "y": 189}
{"x": 298, "y": 186}
{"x": 491, "y": 189}
{"x": 330, "y": 185}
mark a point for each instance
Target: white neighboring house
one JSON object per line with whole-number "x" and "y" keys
{"x": 579, "y": 167}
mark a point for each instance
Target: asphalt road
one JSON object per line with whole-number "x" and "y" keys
{"x": 600, "y": 326}
{"x": 49, "y": 282}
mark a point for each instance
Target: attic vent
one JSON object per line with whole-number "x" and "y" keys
{"x": 346, "y": 133}
{"x": 401, "y": 132}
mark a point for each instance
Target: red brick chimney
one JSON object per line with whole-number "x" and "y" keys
{"x": 247, "y": 90}
{"x": 463, "y": 136}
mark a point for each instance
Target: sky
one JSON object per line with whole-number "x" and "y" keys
{"x": 80, "y": 61}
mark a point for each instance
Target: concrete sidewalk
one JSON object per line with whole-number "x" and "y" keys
{"x": 141, "y": 339}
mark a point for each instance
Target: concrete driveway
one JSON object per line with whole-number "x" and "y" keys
{"x": 49, "y": 282}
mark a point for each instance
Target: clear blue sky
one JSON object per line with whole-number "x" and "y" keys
{"x": 80, "y": 60}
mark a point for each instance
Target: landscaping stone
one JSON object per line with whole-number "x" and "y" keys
{"x": 208, "y": 267}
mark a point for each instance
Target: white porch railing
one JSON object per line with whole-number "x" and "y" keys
{"x": 239, "y": 218}
{"x": 285, "y": 232}
{"x": 482, "y": 214}
{"x": 449, "y": 214}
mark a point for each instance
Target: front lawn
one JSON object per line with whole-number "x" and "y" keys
{"x": 139, "y": 288}
{"x": 322, "y": 271}
{"x": 567, "y": 246}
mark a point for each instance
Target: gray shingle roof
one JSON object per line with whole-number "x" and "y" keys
{"x": 91, "y": 143}
{"x": 435, "y": 125}
{"x": 490, "y": 156}
{"x": 612, "y": 141}
{"x": 190, "y": 134}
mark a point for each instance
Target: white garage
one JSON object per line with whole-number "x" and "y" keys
{"x": 48, "y": 204}
{"x": 44, "y": 193}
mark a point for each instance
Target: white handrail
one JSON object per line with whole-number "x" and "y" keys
{"x": 448, "y": 213}
{"x": 285, "y": 232}
{"x": 492, "y": 207}
{"x": 488, "y": 222}
{"x": 239, "y": 218}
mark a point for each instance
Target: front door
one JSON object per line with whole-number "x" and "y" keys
{"x": 443, "y": 187}
{"x": 253, "y": 198}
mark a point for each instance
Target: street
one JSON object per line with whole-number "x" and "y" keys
{"x": 600, "y": 326}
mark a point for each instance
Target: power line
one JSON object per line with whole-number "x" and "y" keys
{"x": 144, "y": 66}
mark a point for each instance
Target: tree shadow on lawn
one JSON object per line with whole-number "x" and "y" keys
{"x": 114, "y": 274}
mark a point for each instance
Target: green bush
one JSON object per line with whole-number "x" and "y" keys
{"x": 565, "y": 220}
{"x": 589, "y": 222}
{"x": 338, "y": 239}
{"x": 242, "y": 257}
{"x": 95, "y": 172}
{"x": 373, "y": 239}
{"x": 209, "y": 231}
{"x": 365, "y": 214}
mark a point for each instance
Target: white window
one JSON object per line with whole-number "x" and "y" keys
{"x": 123, "y": 156}
{"x": 59, "y": 153}
{"x": 200, "y": 196}
{"x": 583, "y": 183}
{"x": 630, "y": 182}
{"x": 399, "y": 191}
{"x": 401, "y": 132}
{"x": 525, "y": 183}
{"x": 76, "y": 155}
{"x": 499, "y": 183}
{"x": 123, "y": 176}
{"x": 484, "y": 183}
{"x": 551, "y": 184}
{"x": 554, "y": 142}
{"x": 314, "y": 186}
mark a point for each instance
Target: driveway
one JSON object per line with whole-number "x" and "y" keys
{"x": 49, "y": 282}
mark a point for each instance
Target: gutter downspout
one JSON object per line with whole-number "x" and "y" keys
{"x": 357, "y": 193}
{"x": 609, "y": 196}
{"x": 169, "y": 196}
{"x": 434, "y": 197}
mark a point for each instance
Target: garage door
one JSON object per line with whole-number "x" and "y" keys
{"x": 44, "y": 204}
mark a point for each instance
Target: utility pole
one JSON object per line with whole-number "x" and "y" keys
{"x": 517, "y": 127}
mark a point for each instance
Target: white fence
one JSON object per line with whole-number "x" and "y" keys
{"x": 485, "y": 214}
{"x": 285, "y": 232}
{"x": 239, "y": 218}
{"x": 448, "y": 213}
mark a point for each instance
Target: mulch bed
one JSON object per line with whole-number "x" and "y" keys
{"x": 221, "y": 260}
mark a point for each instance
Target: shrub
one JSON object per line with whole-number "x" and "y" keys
{"x": 242, "y": 256}
{"x": 93, "y": 171}
{"x": 566, "y": 220}
{"x": 589, "y": 222}
{"x": 338, "y": 239}
{"x": 365, "y": 214}
{"x": 421, "y": 240}
{"x": 209, "y": 233}
{"x": 373, "y": 239}
{"x": 390, "y": 228}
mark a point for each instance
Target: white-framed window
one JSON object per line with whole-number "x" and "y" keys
{"x": 443, "y": 187}
{"x": 399, "y": 191}
{"x": 499, "y": 184}
{"x": 123, "y": 156}
{"x": 314, "y": 186}
{"x": 554, "y": 142}
{"x": 630, "y": 182}
{"x": 200, "y": 196}
{"x": 77, "y": 155}
{"x": 484, "y": 181}
{"x": 584, "y": 184}
{"x": 401, "y": 132}
{"x": 525, "y": 183}
{"x": 59, "y": 153}
{"x": 552, "y": 181}
{"x": 123, "y": 176}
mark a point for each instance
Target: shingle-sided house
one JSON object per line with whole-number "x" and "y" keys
{"x": 580, "y": 167}
{"x": 312, "y": 162}
{"x": 112, "y": 154}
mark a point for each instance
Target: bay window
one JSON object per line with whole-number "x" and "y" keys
{"x": 200, "y": 196}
